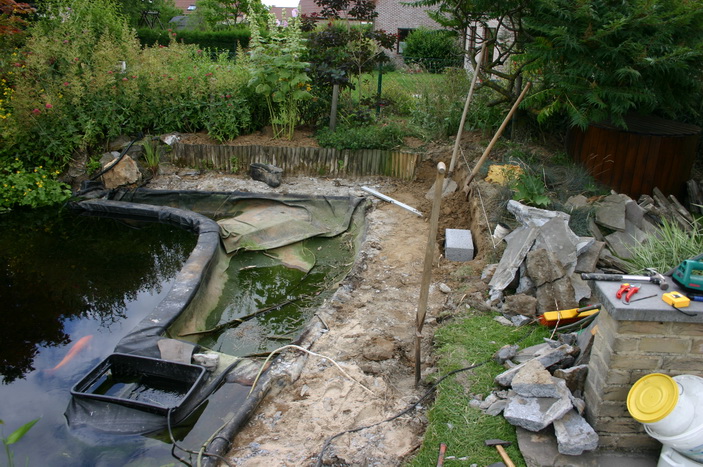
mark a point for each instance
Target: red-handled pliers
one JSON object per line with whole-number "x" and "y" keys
{"x": 623, "y": 288}
{"x": 630, "y": 292}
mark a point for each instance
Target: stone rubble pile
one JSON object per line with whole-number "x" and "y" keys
{"x": 543, "y": 386}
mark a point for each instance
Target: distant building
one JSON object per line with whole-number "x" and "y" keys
{"x": 187, "y": 6}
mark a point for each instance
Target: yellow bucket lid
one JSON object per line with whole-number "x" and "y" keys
{"x": 652, "y": 398}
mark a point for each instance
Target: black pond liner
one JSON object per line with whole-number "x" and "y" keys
{"x": 142, "y": 342}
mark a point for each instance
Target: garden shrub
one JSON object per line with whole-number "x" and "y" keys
{"x": 387, "y": 136}
{"x": 83, "y": 78}
{"x": 437, "y": 110}
{"x": 433, "y": 50}
{"x": 230, "y": 40}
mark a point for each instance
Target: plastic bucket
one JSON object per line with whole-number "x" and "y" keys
{"x": 671, "y": 458}
{"x": 670, "y": 411}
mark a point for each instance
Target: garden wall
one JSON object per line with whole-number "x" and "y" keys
{"x": 299, "y": 160}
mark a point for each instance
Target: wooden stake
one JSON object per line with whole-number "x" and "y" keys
{"x": 452, "y": 163}
{"x": 427, "y": 270}
{"x": 495, "y": 138}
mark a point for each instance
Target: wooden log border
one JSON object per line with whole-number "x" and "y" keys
{"x": 299, "y": 160}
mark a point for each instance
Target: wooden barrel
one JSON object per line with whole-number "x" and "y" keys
{"x": 652, "y": 152}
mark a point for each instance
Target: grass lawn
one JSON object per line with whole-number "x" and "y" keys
{"x": 471, "y": 339}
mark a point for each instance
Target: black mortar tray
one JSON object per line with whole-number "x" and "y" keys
{"x": 144, "y": 383}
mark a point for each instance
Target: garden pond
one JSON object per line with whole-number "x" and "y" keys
{"x": 77, "y": 288}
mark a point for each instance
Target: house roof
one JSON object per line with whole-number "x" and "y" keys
{"x": 184, "y": 4}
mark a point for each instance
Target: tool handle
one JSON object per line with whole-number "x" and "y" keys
{"x": 601, "y": 277}
{"x": 504, "y": 455}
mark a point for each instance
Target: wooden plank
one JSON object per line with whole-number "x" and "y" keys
{"x": 648, "y": 180}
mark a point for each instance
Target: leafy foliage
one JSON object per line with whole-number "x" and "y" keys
{"x": 14, "y": 437}
{"x": 387, "y": 136}
{"x": 231, "y": 39}
{"x": 217, "y": 14}
{"x": 278, "y": 73}
{"x": 599, "y": 60}
{"x": 432, "y": 49}
{"x": 589, "y": 60}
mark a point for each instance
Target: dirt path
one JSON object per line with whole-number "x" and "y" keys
{"x": 370, "y": 336}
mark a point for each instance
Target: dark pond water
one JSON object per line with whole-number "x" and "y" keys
{"x": 70, "y": 288}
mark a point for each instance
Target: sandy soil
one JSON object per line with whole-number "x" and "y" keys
{"x": 371, "y": 333}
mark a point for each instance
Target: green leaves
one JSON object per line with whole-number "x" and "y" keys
{"x": 19, "y": 432}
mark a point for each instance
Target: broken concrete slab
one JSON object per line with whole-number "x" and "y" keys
{"x": 519, "y": 243}
{"x": 531, "y": 216}
{"x": 533, "y": 380}
{"x": 588, "y": 260}
{"x": 536, "y": 413}
{"x": 621, "y": 244}
{"x": 547, "y": 359}
{"x": 557, "y": 237}
{"x": 574, "y": 434}
{"x": 610, "y": 213}
{"x": 533, "y": 351}
{"x": 581, "y": 288}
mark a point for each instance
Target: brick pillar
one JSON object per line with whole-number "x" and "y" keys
{"x": 623, "y": 352}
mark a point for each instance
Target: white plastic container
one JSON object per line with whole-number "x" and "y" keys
{"x": 671, "y": 410}
{"x": 671, "y": 458}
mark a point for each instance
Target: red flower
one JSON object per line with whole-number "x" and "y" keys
{"x": 125, "y": 79}
{"x": 48, "y": 106}
{"x": 65, "y": 83}
{"x": 36, "y": 111}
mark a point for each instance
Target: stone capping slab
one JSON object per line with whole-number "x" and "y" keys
{"x": 651, "y": 309}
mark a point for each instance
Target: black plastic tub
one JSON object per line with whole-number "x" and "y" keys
{"x": 150, "y": 384}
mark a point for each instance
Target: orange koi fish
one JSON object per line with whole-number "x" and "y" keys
{"x": 77, "y": 347}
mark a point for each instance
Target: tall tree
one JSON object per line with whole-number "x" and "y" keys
{"x": 218, "y": 14}
{"x": 591, "y": 59}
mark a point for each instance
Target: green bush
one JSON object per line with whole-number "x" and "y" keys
{"x": 433, "y": 50}
{"x": 437, "y": 110}
{"x": 387, "y": 136}
{"x": 230, "y": 40}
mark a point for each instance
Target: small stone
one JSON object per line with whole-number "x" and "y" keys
{"x": 444, "y": 288}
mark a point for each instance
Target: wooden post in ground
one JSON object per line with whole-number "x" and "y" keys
{"x": 427, "y": 270}
{"x": 455, "y": 152}
{"x": 333, "y": 110}
{"x": 495, "y": 138}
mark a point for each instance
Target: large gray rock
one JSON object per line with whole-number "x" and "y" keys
{"x": 533, "y": 380}
{"x": 122, "y": 173}
{"x": 536, "y": 413}
{"x": 543, "y": 266}
{"x": 547, "y": 359}
{"x": 557, "y": 295}
{"x": 574, "y": 434}
{"x": 267, "y": 173}
{"x": 519, "y": 243}
{"x": 520, "y": 304}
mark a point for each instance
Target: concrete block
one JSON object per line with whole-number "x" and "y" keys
{"x": 458, "y": 245}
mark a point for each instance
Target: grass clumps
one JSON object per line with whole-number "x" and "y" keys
{"x": 666, "y": 247}
{"x": 471, "y": 339}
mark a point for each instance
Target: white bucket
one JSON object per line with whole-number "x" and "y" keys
{"x": 671, "y": 410}
{"x": 671, "y": 458}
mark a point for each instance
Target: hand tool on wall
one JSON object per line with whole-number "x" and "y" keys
{"x": 498, "y": 444}
{"x": 654, "y": 277}
{"x": 629, "y": 292}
